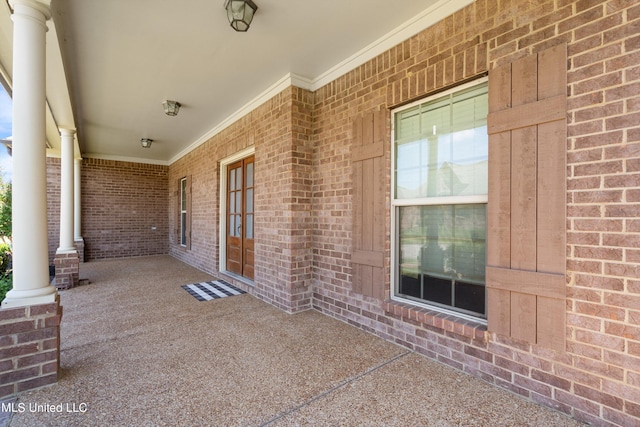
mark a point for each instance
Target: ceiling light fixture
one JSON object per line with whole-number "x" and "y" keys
{"x": 171, "y": 108}
{"x": 240, "y": 13}
{"x": 146, "y": 142}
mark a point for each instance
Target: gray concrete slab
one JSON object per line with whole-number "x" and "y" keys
{"x": 137, "y": 349}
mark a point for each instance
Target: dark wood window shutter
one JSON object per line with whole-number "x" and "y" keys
{"x": 526, "y": 242}
{"x": 369, "y": 180}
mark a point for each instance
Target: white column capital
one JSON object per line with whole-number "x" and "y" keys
{"x": 42, "y": 6}
{"x": 67, "y": 131}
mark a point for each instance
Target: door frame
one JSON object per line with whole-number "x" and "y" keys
{"x": 222, "y": 197}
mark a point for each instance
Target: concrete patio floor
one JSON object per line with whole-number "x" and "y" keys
{"x": 137, "y": 349}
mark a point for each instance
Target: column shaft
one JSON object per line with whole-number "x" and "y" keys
{"x": 66, "y": 192}
{"x": 77, "y": 205}
{"x": 30, "y": 253}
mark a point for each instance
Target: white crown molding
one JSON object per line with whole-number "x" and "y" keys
{"x": 420, "y": 22}
{"x": 282, "y": 84}
{"x": 301, "y": 82}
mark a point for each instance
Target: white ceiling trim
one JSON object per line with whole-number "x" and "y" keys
{"x": 282, "y": 84}
{"x": 5, "y": 80}
{"x": 420, "y": 22}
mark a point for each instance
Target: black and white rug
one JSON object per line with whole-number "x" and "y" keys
{"x": 206, "y": 291}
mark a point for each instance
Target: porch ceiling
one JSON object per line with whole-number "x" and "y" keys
{"x": 123, "y": 58}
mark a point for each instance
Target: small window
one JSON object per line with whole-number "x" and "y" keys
{"x": 183, "y": 212}
{"x": 440, "y": 178}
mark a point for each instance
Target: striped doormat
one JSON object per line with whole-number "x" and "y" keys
{"x": 206, "y": 291}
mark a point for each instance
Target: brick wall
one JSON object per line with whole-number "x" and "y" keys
{"x": 202, "y": 165}
{"x": 598, "y": 378}
{"x": 29, "y": 347}
{"x": 53, "y": 205}
{"x": 283, "y": 201}
{"x": 67, "y": 270}
{"x": 279, "y": 130}
{"x": 121, "y": 203}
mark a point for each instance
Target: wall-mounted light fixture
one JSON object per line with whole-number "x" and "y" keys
{"x": 171, "y": 108}
{"x": 146, "y": 142}
{"x": 240, "y": 13}
{"x": 7, "y": 142}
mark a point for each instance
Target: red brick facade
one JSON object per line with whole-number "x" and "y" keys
{"x": 29, "y": 347}
{"x": 53, "y": 205}
{"x": 596, "y": 379}
{"x": 280, "y": 132}
{"x": 304, "y": 200}
{"x": 67, "y": 270}
{"x": 121, "y": 202}
{"x": 124, "y": 209}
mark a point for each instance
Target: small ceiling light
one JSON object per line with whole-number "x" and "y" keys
{"x": 240, "y": 13}
{"x": 146, "y": 142}
{"x": 171, "y": 108}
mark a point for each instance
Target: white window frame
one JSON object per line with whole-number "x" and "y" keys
{"x": 222, "y": 232}
{"x": 183, "y": 212}
{"x": 427, "y": 201}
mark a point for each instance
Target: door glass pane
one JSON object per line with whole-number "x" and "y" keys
{"x": 249, "y": 201}
{"x": 249, "y": 174}
{"x": 232, "y": 180}
{"x": 232, "y": 225}
{"x": 249, "y": 226}
{"x": 232, "y": 202}
{"x": 239, "y": 179}
{"x": 238, "y": 196}
{"x": 238, "y": 230}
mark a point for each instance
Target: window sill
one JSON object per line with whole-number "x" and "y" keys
{"x": 435, "y": 319}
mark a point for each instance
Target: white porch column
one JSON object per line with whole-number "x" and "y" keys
{"x": 30, "y": 254}
{"x": 77, "y": 206}
{"x": 66, "y": 193}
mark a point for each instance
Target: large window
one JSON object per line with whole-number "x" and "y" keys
{"x": 439, "y": 200}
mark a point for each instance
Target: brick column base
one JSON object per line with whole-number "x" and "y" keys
{"x": 67, "y": 270}
{"x": 29, "y": 347}
{"x": 79, "y": 244}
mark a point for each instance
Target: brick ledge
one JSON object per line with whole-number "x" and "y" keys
{"x": 446, "y": 322}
